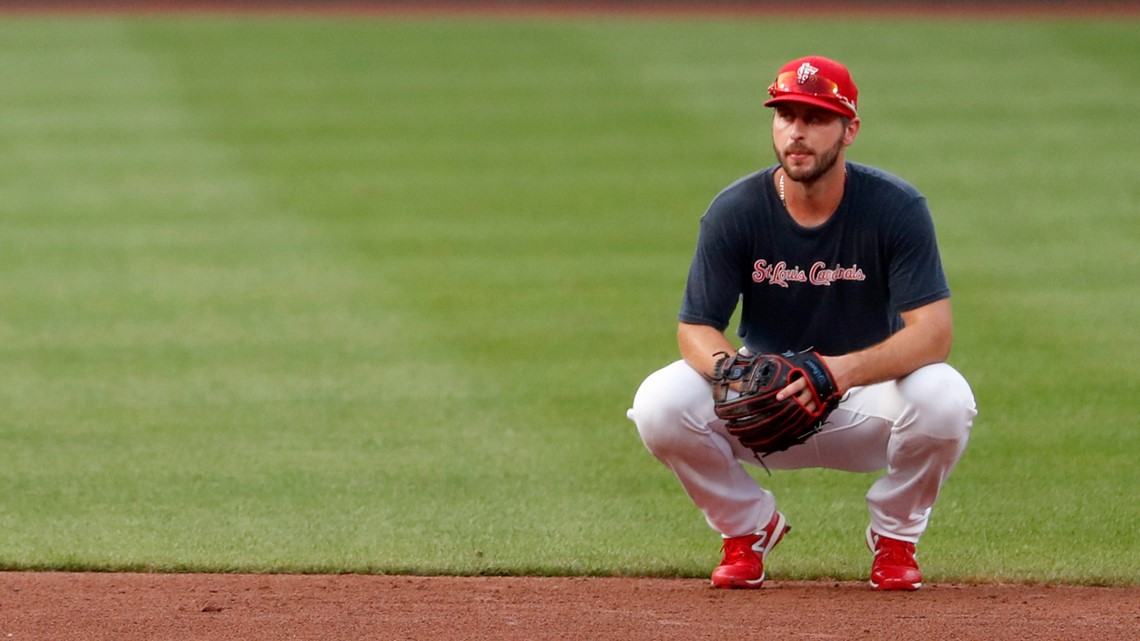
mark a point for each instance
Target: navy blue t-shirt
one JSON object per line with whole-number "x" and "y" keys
{"x": 835, "y": 288}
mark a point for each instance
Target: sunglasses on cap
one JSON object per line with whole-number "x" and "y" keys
{"x": 811, "y": 85}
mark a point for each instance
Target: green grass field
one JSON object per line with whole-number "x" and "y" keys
{"x": 347, "y": 295}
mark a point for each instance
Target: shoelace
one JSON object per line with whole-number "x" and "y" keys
{"x": 735, "y": 549}
{"x": 895, "y": 553}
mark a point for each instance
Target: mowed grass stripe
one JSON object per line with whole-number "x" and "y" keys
{"x": 180, "y": 348}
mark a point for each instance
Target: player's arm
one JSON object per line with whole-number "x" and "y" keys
{"x": 701, "y": 346}
{"x": 924, "y": 339}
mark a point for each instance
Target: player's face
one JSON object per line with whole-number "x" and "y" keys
{"x": 808, "y": 140}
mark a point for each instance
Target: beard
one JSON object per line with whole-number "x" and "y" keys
{"x": 809, "y": 174}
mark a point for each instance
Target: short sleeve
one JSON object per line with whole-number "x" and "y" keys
{"x": 916, "y": 274}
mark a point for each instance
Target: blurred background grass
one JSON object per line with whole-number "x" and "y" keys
{"x": 330, "y": 294}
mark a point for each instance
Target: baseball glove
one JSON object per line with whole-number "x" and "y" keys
{"x": 744, "y": 392}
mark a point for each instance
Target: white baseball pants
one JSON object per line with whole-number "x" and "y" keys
{"x": 915, "y": 428}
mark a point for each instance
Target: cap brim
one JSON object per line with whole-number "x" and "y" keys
{"x": 824, "y": 103}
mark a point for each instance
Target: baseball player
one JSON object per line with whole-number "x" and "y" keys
{"x": 838, "y": 261}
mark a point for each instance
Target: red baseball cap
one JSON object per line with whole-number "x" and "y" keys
{"x": 818, "y": 81}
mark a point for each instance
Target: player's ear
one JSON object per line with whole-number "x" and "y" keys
{"x": 850, "y": 130}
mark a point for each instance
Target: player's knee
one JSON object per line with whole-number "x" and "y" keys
{"x": 666, "y": 406}
{"x": 943, "y": 404}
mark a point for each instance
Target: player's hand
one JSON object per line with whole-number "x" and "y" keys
{"x": 799, "y": 389}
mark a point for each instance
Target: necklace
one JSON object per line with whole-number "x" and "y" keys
{"x": 784, "y": 200}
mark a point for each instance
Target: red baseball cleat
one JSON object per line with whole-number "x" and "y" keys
{"x": 895, "y": 566}
{"x": 743, "y": 562}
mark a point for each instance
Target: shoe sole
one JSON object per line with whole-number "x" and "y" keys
{"x": 888, "y": 586}
{"x": 740, "y": 585}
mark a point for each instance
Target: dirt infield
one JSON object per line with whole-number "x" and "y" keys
{"x": 130, "y": 607}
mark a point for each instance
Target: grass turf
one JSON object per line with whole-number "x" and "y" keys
{"x": 314, "y": 294}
